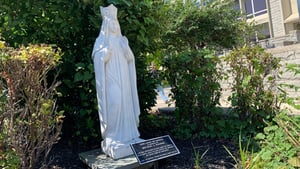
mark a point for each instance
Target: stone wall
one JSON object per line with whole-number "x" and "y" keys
{"x": 288, "y": 55}
{"x": 277, "y": 18}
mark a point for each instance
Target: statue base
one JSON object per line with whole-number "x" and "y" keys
{"x": 116, "y": 149}
{"x": 96, "y": 159}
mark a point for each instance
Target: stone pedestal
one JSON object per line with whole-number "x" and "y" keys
{"x": 96, "y": 159}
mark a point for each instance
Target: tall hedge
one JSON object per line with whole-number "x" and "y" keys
{"x": 73, "y": 26}
{"x": 192, "y": 43}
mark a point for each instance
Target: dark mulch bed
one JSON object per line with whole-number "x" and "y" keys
{"x": 64, "y": 157}
{"x": 215, "y": 158}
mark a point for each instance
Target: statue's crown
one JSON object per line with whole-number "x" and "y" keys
{"x": 109, "y": 11}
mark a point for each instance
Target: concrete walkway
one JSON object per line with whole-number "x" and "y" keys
{"x": 161, "y": 105}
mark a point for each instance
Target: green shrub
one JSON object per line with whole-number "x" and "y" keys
{"x": 280, "y": 143}
{"x": 8, "y": 156}
{"x": 30, "y": 121}
{"x": 73, "y": 26}
{"x": 193, "y": 77}
{"x": 212, "y": 26}
{"x": 254, "y": 90}
{"x": 279, "y": 146}
{"x": 192, "y": 40}
{"x": 67, "y": 24}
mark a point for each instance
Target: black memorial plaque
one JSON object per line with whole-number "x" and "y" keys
{"x": 154, "y": 149}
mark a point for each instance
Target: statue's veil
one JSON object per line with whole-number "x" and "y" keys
{"x": 108, "y": 15}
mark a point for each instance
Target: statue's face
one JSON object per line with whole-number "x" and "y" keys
{"x": 114, "y": 26}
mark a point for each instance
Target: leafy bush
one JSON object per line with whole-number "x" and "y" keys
{"x": 280, "y": 143}
{"x": 214, "y": 25}
{"x": 191, "y": 65}
{"x": 67, "y": 24}
{"x": 279, "y": 146}
{"x": 73, "y": 26}
{"x": 8, "y": 156}
{"x": 193, "y": 77}
{"x": 30, "y": 121}
{"x": 254, "y": 90}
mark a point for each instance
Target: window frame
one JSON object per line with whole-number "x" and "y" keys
{"x": 253, "y": 12}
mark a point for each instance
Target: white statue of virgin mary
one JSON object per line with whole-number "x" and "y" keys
{"x": 116, "y": 87}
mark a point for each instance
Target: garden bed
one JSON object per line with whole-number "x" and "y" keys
{"x": 63, "y": 157}
{"x": 216, "y": 156}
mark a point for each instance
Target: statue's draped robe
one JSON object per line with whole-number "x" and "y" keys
{"x": 116, "y": 88}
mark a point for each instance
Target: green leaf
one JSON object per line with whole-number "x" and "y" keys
{"x": 260, "y": 136}
{"x": 270, "y": 128}
{"x": 85, "y": 138}
{"x": 127, "y": 2}
{"x": 221, "y": 123}
{"x": 267, "y": 155}
{"x": 246, "y": 81}
{"x": 78, "y": 76}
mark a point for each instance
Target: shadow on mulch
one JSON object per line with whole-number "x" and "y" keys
{"x": 63, "y": 157}
{"x": 216, "y": 157}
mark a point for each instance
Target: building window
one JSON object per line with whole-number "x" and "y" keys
{"x": 236, "y": 5}
{"x": 255, "y": 8}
